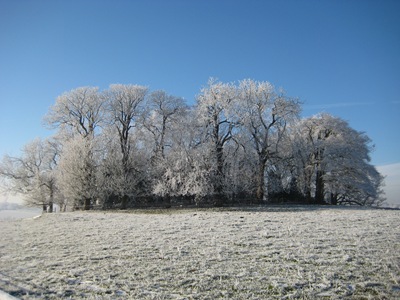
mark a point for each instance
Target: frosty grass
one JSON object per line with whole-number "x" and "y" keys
{"x": 274, "y": 253}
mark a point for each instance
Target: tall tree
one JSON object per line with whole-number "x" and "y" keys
{"x": 186, "y": 168}
{"x": 265, "y": 115}
{"x": 78, "y": 114}
{"x": 337, "y": 158}
{"x": 124, "y": 108}
{"x": 214, "y": 109}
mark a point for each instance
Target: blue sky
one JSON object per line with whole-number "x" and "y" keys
{"x": 340, "y": 57}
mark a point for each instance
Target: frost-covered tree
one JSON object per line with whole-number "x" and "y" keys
{"x": 32, "y": 174}
{"x": 214, "y": 112}
{"x": 114, "y": 181}
{"x": 77, "y": 115}
{"x": 76, "y": 172}
{"x": 79, "y": 111}
{"x": 163, "y": 112}
{"x": 240, "y": 164}
{"x": 333, "y": 162}
{"x": 265, "y": 115}
{"x": 186, "y": 169}
{"x": 161, "y": 128}
{"x": 123, "y": 109}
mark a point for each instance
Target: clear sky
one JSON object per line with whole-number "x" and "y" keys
{"x": 340, "y": 57}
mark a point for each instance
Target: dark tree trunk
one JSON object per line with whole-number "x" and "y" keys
{"x": 124, "y": 202}
{"x": 260, "y": 192}
{"x": 220, "y": 198}
{"x": 167, "y": 200}
{"x": 307, "y": 185}
{"x": 334, "y": 199}
{"x": 319, "y": 181}
{"x": 51, "y": 199}
{"x": 86, "y": 205}
{"x": 319, "y": 187}
{"x": 220, "y": 161}
{"x": 308, "y": 194}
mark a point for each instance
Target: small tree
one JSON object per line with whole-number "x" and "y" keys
{"x": 32, "y": 174}
{"x": 76, "y": 172}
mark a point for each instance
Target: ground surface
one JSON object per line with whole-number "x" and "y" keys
{"x": 7, "y": 215}
{"x": 275, "y": 253}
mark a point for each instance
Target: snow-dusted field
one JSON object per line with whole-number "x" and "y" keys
{"x": 275, "y": 253}
{"x": 18, "y": 214}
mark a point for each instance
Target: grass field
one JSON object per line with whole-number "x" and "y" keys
{"x": 255, "y": 253}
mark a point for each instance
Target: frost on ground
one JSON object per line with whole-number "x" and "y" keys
{"x": 8, "y": 215}
{"x": 303, "y": 252}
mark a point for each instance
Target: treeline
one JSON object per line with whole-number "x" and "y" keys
{"x": 241, "y": 143}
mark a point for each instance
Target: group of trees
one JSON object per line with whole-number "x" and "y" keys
{"x": 240, "y": 143}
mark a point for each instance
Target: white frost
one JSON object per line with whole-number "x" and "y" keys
{"x": 302, "y": 252}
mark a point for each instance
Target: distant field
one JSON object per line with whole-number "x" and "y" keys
{"x": 275, "y": 253}
{"x": 18, "y": 214}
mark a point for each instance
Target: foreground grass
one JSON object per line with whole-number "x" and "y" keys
{"x": 299, "y": 253}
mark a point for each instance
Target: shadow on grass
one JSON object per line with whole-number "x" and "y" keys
{"x": 21, "y": 289}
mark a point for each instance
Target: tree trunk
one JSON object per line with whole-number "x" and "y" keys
{"x": 319, "y": 180}
{"x": 50, "y": 210}
{"x": 86, "y": 205}
{"x": 307, "y": 185}
{"x": 308, "y": 195}
{"x": 260, "y": 192}
{"x": 319, "y": 188}
{"x": 124, "y": 202}
{"x": 334, "y": 199}
{"x": 219, "y": 195}
{"x": 220, "y": 160}
{"x": 51, "y": 199}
